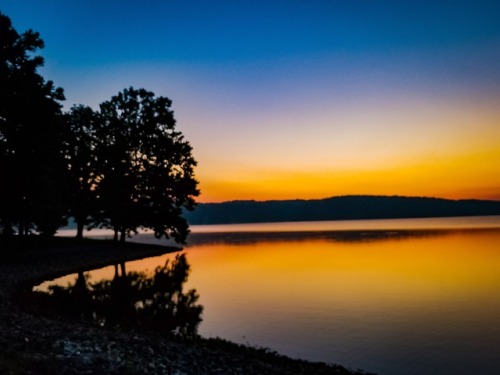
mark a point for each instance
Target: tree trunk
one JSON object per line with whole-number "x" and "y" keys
{"x": 79, "y": 230}
{"x": 122, "y": 266}
{"x": 115, "y": 237}
{"x": 23, "y": 229}
{"x": 122, "y": 235}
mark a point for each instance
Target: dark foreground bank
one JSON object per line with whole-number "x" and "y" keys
{"x": 33, "y": 344}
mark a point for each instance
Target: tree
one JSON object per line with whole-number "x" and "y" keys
{"x": 148, "y": 168}
{"x": 80, "y": 153}
{"x": 31, "y": 165}
{"x": 155, "y": 301}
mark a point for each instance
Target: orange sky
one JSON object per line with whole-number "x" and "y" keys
{"x": 301, "y": 99}
{"x": 445, "y": 152}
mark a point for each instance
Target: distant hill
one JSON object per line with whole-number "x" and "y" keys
{"x": 338, "y": 208}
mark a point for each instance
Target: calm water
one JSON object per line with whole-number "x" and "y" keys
{"x": 392, "y": 301}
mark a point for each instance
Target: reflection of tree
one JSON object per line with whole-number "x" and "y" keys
{"x": 154, "y": 301}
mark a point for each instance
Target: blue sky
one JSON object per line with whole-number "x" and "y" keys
{"x": 269, "y": 92}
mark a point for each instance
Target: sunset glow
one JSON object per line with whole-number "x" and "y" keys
{"x": 473, "y": 175}
{"x": 291, "y": 100}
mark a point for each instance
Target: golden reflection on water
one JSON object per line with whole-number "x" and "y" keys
{"x": 426, "y": 298}
{"x": 422, "y": 300}
{"x": 453, "y": 264}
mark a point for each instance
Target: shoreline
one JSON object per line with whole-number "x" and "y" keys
{"x": 39, "y": 345}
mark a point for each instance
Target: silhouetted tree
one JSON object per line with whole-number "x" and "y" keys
{"x": 157, "y": 302}
{"x": 83, "y": 167}
{"x": 148, "y": 168}
{"x": 31, "y": 165}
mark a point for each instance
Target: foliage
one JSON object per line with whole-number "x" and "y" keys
{"x": 155, "y": 302}
{"x": 148, "y": 168}
{"x": 83, "y": 172}
{"x": 30, "y": 144}
{"x": 124, "y": 167}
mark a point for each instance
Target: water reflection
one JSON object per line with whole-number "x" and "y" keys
{"x": 391, "y": 301}
{"x": 149, "y": 301}
{"x": 344, "y": 236}
{"x": 424, "y": 304}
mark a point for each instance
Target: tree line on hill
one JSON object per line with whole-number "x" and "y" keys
{"x": 337, "y": 208}
{"x": 124, "y": 166}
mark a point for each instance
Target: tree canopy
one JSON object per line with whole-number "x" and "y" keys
{"x": 147, "y": 173}
{"x": 124, "y": 167}
{"x": 83, "y": 172}
{"x": 31, "y": 165}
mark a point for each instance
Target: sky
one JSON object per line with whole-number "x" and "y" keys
{"x": 297, "y": 99}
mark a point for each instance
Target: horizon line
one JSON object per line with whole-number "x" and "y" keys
{"x": 351, "y": 195}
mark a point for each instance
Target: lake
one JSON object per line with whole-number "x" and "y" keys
{"x": 409, "y": 296}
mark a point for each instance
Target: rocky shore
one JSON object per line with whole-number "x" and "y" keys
{"x": 33, "y": 344}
